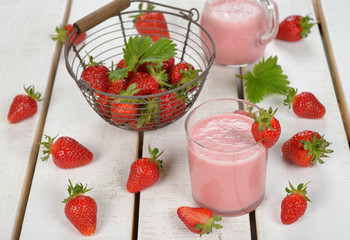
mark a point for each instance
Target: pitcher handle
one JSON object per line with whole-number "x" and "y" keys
{"x": 273, "y": 23}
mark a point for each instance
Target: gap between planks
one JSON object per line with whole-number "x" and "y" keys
{"x": 22, "y": 205}
{"x": 333, "y": 67}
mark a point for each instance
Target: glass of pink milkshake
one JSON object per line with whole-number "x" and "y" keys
{"x": 227, "y": 166}
{"x": 240, "y": 28}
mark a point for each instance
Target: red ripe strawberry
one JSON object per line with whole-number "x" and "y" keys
{"x": 266, "y": 128}
{"x": 294, "y": 28}
{"x": 81, "y": 210}
{"x": 115, "y": 86}
{"x": 305, "y": 104}
{"x": 182, "y": 73}
{"x": 152, "y": 24}
{"x": 97, "y": 75}
{"x": 294, "y": 204}
{"x": 62, "y": 34}
{"x": 66, "y": 152}
{"x": 24, "y": 106}
{"x": 145, "y": 82}
{"x": 104, "y": 101}
{"x": 168, "y": 103}
{"x": 144, "y": 172}
{"x": 306, "y": 148}
{"x": 125, "y": 110}
{"x": 199, "y": 220}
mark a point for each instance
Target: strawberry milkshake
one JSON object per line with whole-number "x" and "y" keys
{"x": 240, "y": 28}
{"x": 227, "y": 167}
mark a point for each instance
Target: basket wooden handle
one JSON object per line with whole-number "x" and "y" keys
{"x": 100, "y": 15}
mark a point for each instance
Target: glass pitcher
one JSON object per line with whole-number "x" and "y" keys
{"x": 241, "y": 29}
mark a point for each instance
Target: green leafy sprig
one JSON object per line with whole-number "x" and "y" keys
{"x": 141, "y": 49}
{"x": 267, "y": 78}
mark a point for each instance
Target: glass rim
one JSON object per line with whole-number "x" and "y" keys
{"x": 215, "y": 100}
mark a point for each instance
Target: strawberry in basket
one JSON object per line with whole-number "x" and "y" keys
{"x": 96, "y": 74}
{"x": 151, "y": 24}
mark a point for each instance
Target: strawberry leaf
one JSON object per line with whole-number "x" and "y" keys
{"x": 267, "y": 78}
{"x": 141, "y": 49}
{"x": 161, "y": 50}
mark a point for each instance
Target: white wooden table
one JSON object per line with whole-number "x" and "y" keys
{"x": 32, "y": 190}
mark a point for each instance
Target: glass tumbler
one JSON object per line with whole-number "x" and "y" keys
{"x": 227, "y": 166}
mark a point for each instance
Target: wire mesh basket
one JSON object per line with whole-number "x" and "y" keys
{"x": 108, "y": 29}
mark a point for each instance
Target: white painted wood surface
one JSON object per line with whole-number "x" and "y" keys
{"x": 26, "y": 55}
{"x": 335, "y": 19}
{"x": 114, "y": 150}
{"x": 327, "y": 216}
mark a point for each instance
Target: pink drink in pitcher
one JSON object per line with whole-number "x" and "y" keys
{"x": 240, "y": 28}
{"x": 227, "y": 167}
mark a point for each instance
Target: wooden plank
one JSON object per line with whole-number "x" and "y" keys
{"x": 114, "y": 149}
{"x": 173, "y": 188}
{"x": 24, "y": 46}
{"x": 335, "y": 36}
{"x": 305, "y": 64}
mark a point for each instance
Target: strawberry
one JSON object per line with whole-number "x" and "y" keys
{"x": 81, "y": 210}
{"x": 199, "y": 220}
{"x": 306, "y": 148}
{"x": 182, "y": 73}
{"x": 266, "y": 128}
{"x": 144, "y": 172}
{"x": 305, "y": 104}
{"x": 24, "y": 106}
{"x": 294, "y": 204}
{"x": 115, "y": 86}
{"x": 152, "y": 24}
{"x": 104, "y": 101}
{"x": 66, "y": 152}
{"x": 145, "y": 82}
{"x": 62, "y": 34}
{"x": 125, "y": 110}
{"x": 97, "y": 75}
{"x": 294, "y": 28}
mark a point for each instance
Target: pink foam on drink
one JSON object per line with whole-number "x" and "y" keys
{"x": 236, "y": 27}
{"x": 228, "y": 174}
